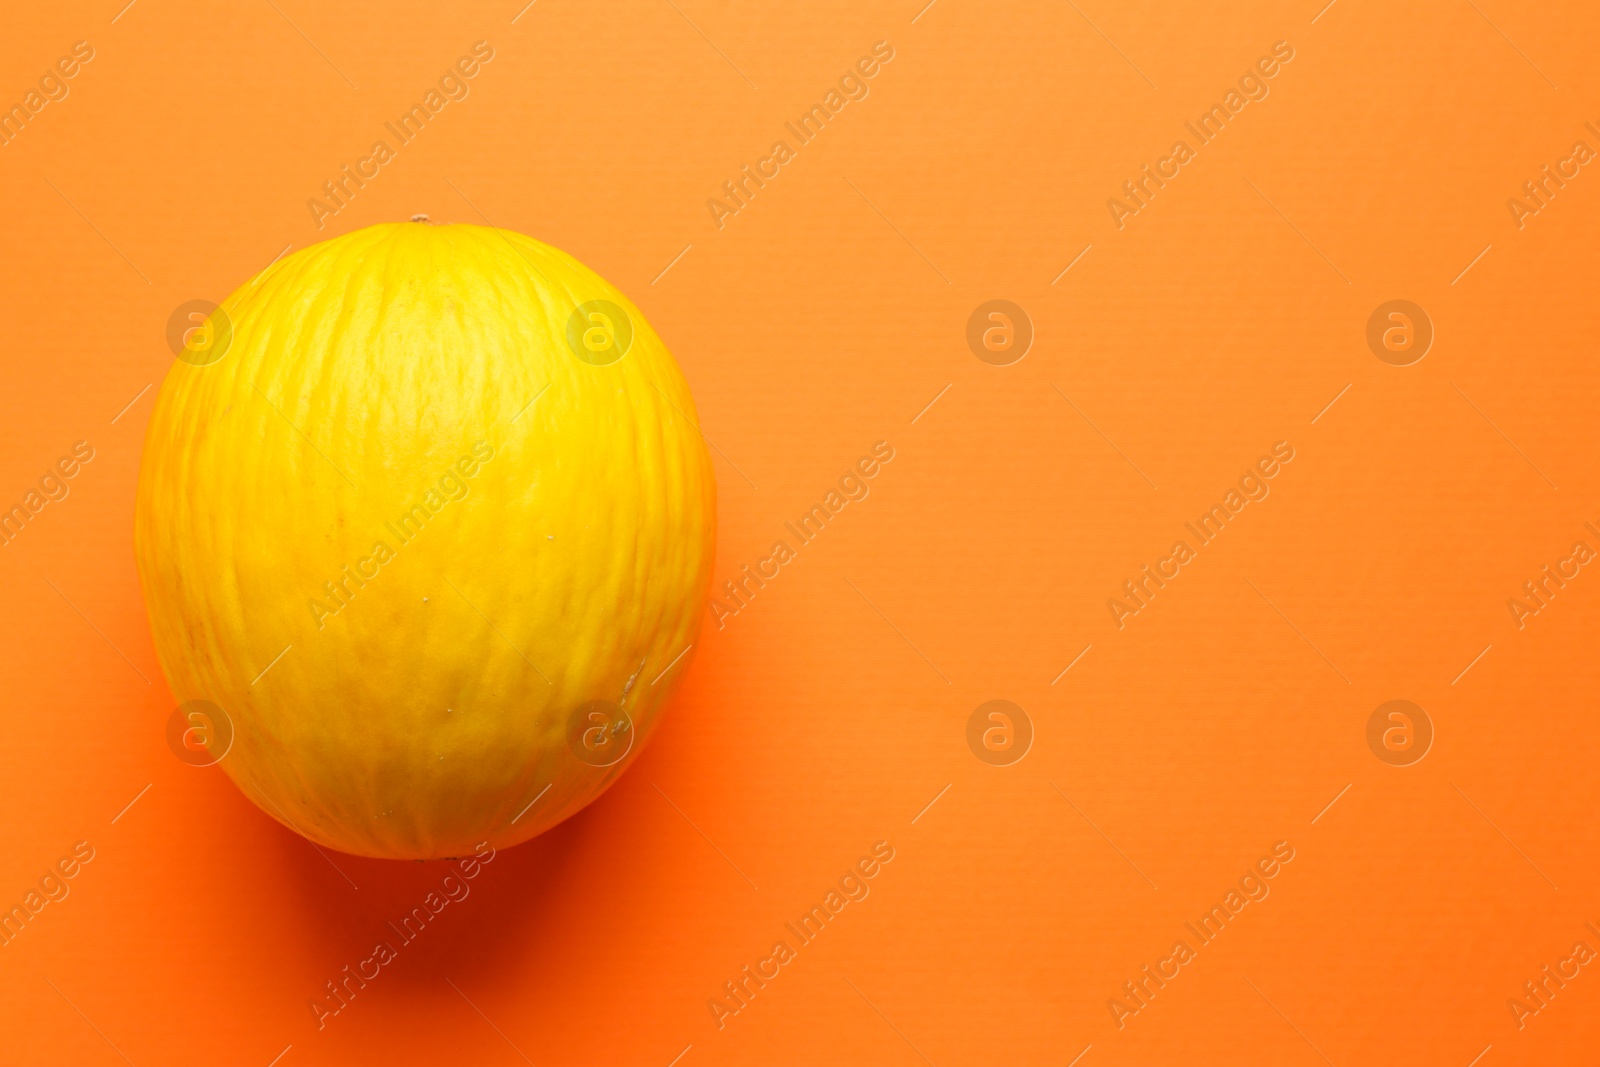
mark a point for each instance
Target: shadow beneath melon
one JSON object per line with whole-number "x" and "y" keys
{"x": 546, "y": 919}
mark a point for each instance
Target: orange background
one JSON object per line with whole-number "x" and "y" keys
{"x": 1223, "y": 718}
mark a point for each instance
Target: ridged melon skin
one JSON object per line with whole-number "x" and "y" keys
{"x": 429, "y": 709}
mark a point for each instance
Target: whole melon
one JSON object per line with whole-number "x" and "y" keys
{"x": 425, "y": 523}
